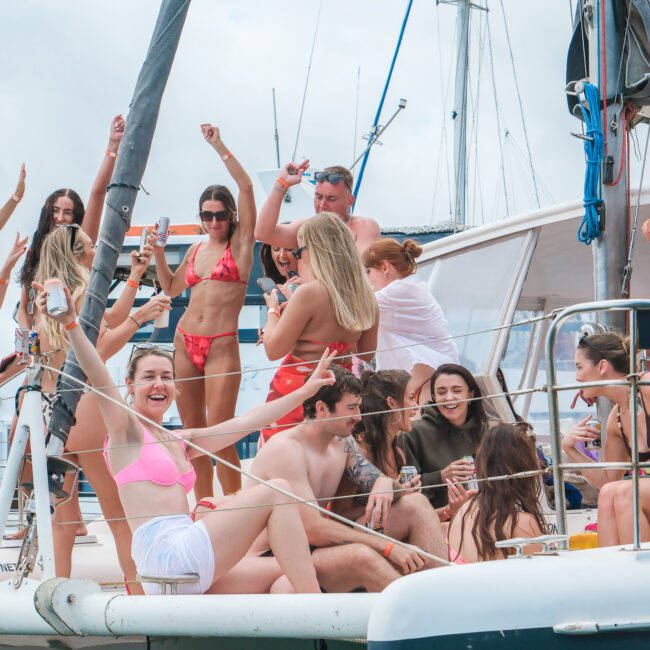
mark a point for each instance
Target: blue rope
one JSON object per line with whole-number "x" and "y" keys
{"x": 589, "y": 228}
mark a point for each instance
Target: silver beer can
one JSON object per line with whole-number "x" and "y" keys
{"x": 596, "y": 442}
{"x": 163, "y": 227}
{"x": 143, "y": 238}
{"x": 472, "y": 484}
{"x": 407, "y": 474}
{"x": 57, "y": 303}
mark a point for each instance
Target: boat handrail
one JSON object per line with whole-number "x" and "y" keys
{"x": 632, "y": 380}
{"x": 549, "y": 544}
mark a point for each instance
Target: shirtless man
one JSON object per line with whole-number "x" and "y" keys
{"x": 333, "y": 194}
{"x": 313, "y": 457}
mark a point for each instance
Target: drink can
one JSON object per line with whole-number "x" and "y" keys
{"x": 34, "y": 344}
{"x": 22, "y": 343}
{"x": 57, "y": 303}
{"x": 596, "y": 442}
{"x": 472, "y": 484}
{"x": 143, "y": 238}
{"x": 407, "y": 474}
{"x": 375, "y": 523}
{"x": 163, "y": 227}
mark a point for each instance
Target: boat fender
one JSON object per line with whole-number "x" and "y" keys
{"x": 55, "y": 600}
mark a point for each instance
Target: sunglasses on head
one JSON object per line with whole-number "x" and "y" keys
{"x": 140, "y": 348}
{"x": 331, "y": 177}
{"x": 207, "y": 215}
{"x": 297, "y": 252}
{"x": 585, "y": 339}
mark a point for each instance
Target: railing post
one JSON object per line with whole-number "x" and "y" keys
{"x": 634, "y": 398}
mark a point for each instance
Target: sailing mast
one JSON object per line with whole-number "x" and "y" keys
{"x": 122, "y": 192}
{"x": 610, "y": 248}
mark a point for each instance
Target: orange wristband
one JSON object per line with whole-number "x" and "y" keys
{"x": 3, "y": 281}
{"x": 71, "y": 326}
{"x": 111, "y": 154}
{"x": 282, "y": 182}
{"x": 226, "y": 156}
{"x": 133, "y": 283}
{"x": 388, "y": 549}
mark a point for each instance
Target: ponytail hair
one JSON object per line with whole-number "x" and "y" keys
{"x": 401, "y": 256}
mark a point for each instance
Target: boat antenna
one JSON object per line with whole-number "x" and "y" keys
{"x": 120, "y": 199}
{"x": 304, "y": 94}
{"x": 372, "y": 136}
{"x": 276, "y": 134}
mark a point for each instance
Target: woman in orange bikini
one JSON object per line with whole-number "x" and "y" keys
{"x": 335, "y": 308}
{"x": 206, "y": 344}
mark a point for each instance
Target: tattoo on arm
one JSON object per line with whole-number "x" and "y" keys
{"x": 358, "y": 468}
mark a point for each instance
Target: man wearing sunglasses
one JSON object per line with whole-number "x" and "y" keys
{"x": 333, "y": 194}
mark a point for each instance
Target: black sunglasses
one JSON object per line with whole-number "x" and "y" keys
{"x": 331, "y": 177}
{"x": 585, "y": 339}
{"x": 297, "y": 252}
{"x": 139, "y": 348}
{"x": 206, "y": 215}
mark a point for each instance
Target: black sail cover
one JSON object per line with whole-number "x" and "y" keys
{"x": 632, "y": 21}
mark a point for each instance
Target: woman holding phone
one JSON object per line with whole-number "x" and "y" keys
{"x": 207, "y": 348}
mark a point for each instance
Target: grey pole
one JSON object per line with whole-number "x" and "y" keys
{"x": 122, "y": 192}
{"x": 460, "y": 109}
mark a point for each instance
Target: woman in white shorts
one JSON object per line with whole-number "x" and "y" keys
{"x": 152, "y": 469}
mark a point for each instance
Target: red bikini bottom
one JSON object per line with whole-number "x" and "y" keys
{"x": 198, "y": 346}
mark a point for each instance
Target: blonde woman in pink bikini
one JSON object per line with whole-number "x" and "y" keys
{"x": 216, "y": 271}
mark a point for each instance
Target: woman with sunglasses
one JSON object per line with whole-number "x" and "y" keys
{"x": 500, "y": 509}
{"x": 152, "y": 469}
{"x": 207, "y": 348}
{"x": 413, "y": 332}
{"x": 334, "y": 308}
{"x": 602, "y": 357}
{"x": 67, "y": 253}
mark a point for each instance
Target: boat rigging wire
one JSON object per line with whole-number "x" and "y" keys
{"x": 498, "y": 115}
{"x": 375, "y": 124}
{"x": 627, "y": 271}
{"x": 308, "y": 502}
{"x": 304, "y": 94}
{"x": 521, "y": 106}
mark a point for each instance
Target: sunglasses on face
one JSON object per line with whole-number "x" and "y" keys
{"x": 333, "y": 177}
{"x": 208, "y": 216}
{"x": 297, "y": 252}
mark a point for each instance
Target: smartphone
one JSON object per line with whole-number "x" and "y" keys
{"x": 7, "y": 361}
{"x": 267, "y": 285}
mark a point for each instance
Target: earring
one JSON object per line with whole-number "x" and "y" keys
{"x": 386, "y": 275}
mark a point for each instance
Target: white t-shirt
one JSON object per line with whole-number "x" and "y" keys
{"x": 409, "y": 314}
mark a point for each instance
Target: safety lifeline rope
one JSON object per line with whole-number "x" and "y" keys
{"x": 308, "y": 502}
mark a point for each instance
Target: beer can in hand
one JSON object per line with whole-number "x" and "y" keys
{"x": 407, "y": 474}
{"x": 162, "y": 321}
{"x": 22, "y": 344}
{"x": 143, "y": 238}
{"x": 596, "y": 442}
{"x": 57, "y": 303}
{"x": 472, "y": 484}
{"x": 163, "y": 227}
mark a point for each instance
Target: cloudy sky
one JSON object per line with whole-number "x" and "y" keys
{"x": 67, "y": 67}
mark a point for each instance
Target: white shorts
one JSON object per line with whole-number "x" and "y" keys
{"x": 174, "y": 545}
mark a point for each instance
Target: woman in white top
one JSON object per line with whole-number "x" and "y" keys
{"x": 413, "y": 332}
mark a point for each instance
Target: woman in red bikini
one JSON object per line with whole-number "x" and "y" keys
{"x": 206, "y": 344}
{"x": 335, "y": 308}
{"x": 153, "y": 473}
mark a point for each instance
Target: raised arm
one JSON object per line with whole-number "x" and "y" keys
{"x": 93, "y": 215}
{"x": 246, "y": 198}
{"x": 267, "y": 229}
{"x": 116, "y": 418}
{"x": 8, "y": 208}
{"x": 171, "y": 282}
{"x": 17, "y": 249}
{"x": 121, "y": 308}
{"x": 229, "y": 432}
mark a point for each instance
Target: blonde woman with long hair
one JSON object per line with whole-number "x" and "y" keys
{"x": 67, "y": 253}
{"x": 334, "y": 308}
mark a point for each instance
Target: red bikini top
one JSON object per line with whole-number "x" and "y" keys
{"x": 225, "y": 270}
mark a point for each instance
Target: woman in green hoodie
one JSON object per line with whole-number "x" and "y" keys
{"x": 451, "y": 428}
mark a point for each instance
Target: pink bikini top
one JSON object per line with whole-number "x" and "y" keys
{"x": 225, "y": 270}
{"x": 153, "y": 464}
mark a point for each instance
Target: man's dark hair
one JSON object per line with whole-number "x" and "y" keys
{"x": 345, "y": 382}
